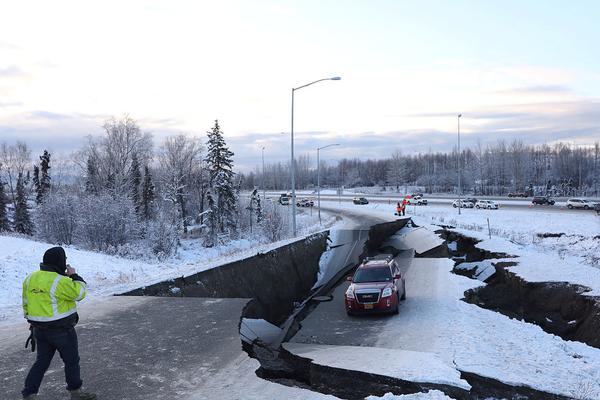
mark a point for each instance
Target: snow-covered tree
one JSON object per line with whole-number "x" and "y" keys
{"x": 41, "y": 177}
{"x": 136, "y": 180}
{"x": 163, "y": 233}
{"x": 4, "y": 223}
{"x": 148, "y": 195}
{"x": 258, "y": 209}
{"x": 107, "y": 221}
{"x": 180, "y": 159}
{"x": 22, "y": 221}
{"x": 219, "y": 160}
{"x": 14, "y": 160}
{"x": 57, "y": 217}
{"x": 92, "y": 184}
{"x": 211, "y": 221}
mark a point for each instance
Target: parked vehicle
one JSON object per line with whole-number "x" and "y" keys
{"x": 377, "y": 286}
{"x": 543, "y": 200}
{"x": 579, "y": 203}
{"x": 417, "y": 200}
{"x": 419, "y": 194}
{"x": 305, "y": 203}
{"x": 285, "y": 201}
{"x": 471, "y": 199}
{"x": 360, "y": 200}
{"x": 462, "y": 204}
{"x": 517, "y": 194}
{"x": 487, "y": 204}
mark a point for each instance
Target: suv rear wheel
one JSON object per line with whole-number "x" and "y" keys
{"x": 570, "y": 207}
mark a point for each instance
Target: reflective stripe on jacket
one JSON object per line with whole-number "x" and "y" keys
{"x": 49, "y": 296}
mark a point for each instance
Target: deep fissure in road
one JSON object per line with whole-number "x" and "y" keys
{"x": 559, "y": 308}
{"x": 279, "y": 284}
{"x": 279, "y": 365}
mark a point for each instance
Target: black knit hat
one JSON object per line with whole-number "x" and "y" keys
{"x": 56, "y": 257}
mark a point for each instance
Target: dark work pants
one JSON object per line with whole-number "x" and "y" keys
{"x": 48, "y": 341}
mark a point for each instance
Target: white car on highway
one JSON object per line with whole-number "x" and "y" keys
{"x": 417, "y": 200}
{"x": 579, "y": 203}
{"x": 487, "y": 204}
{"x": 462, "y": 204}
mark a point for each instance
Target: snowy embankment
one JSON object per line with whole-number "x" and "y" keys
{"x": 107, "y": 275}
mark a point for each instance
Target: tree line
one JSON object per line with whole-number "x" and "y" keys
{"x": 125, "y": 196}
{"x": 496, "y": 169}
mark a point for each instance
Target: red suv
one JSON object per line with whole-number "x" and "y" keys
{"x": 377, "y": 286}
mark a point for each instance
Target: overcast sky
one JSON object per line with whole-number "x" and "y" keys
{"x": 514, "y": 69}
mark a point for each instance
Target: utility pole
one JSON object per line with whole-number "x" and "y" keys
{"x": 459, "y": 168}
{"x": 293, "y": 161}
{"x": 263, "y": 174}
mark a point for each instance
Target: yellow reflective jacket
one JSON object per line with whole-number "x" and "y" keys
{"x": 49, "y": 296}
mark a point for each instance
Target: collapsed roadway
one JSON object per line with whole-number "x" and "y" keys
{"x": 182, "y": 336}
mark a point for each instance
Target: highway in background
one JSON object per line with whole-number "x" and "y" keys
{"x": 508, "y": 203}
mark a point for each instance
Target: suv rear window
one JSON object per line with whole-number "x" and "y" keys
{"x": 380, "y": 274}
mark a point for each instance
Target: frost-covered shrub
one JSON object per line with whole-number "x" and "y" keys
{"x": 106, "y": 221}
{"x": 273, "y": 224}
{"x": 163, "y": 234}
{"x": 56, "y": 218}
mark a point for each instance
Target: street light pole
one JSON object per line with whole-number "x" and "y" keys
{"x": 319, "y": 177}
{"x": 459, "y": 167}
{"x": 263, "y": 174}
{"x": 335, "y": 78}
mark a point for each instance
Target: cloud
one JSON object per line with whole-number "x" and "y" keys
{"x": 573, "y": 121}
{"x": 538, "y": 89}
{"x": 11, "y": 71}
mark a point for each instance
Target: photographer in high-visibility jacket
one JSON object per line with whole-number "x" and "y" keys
{"x": 49, "y": 305}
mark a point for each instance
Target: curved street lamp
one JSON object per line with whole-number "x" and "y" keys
{"x": 335, "y": 78}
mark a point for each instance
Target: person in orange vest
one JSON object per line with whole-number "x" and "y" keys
{"x": 398, "y": 209}
{"x": 404, "y": 204}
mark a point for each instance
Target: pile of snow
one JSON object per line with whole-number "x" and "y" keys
{"x": 430, "y": 395}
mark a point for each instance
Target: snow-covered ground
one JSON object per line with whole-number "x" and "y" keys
{"x": 435, "y": 319}
{"x": 107, "y": 275}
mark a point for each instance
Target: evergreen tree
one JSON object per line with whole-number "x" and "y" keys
{"x": 148, "y": 195}
{"x": 41, "y": 177}
{"x": 211, "y": 220}
{"x": 136, "y": 180}
{"x": 219, "y": 160}
{"x": 4, "y": 223}
{"x": 22, "y": 222}
{"x": 92, "y": 177}
{"x": 36, "y": 180}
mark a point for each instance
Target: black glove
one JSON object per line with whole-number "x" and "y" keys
{"x": 30, "y": 339}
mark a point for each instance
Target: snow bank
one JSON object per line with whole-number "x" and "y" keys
{"x": 430, "y": 395}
